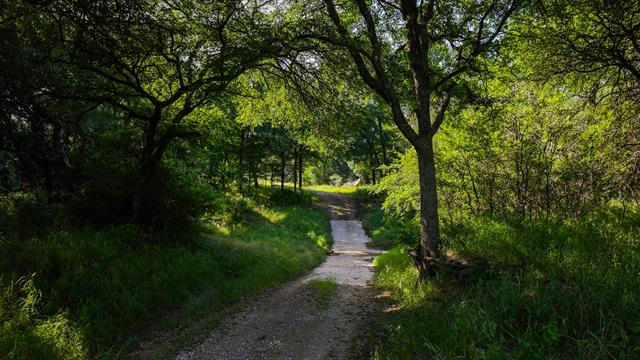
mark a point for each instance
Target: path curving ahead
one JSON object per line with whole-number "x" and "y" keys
{"x": 287, "y": 324}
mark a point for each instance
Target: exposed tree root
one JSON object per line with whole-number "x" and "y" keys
{"x": 429, "y": 266}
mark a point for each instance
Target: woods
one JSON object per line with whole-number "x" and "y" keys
{"x": 174, "y": 129}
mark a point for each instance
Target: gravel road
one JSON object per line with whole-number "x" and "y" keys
{"x": 287, "y": 324}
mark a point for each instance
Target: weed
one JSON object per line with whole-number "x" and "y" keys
{"x": 323, "y": 290}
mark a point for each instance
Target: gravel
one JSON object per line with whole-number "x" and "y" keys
{"x": 287, "y": 324}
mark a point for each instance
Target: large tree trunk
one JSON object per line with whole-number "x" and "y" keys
{"x": 429, "y": 221}
{"x": 146, "y": 167}
{"x": 146, "y": 171}
{"x": 152, "y": 151}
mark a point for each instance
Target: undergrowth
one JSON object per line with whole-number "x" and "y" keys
{"x": 85, "y": 294}
{"x": 544, "y": 289}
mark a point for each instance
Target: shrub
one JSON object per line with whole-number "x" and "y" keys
{"x": 565, "y": 289}
{"x": 94, "y": 289}
{"x": 290, "y": 198}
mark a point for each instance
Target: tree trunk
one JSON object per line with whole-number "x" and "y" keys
{"x": 241, "y": 160}
{"x": 152, "y": 151}
{"x": 295, "y": 169}
{"x": 271, "y": 176}
{"x": 146, "y": 170}
{"x": 300, "y": 170}
{"x": 429, "y": 222}
{"x": 283, "y": 164}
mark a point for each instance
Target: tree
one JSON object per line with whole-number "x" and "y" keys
{"x": 596, "y": 39}
{"x": 155, "y": 62}
{"x": 417, "y": 54}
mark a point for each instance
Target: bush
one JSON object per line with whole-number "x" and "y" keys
{"x": 229, "y": 208}
{"x": 177, "y": 194}
{"x": 552, "y": 289}
{"x": 93, "y": 290}
{"x": 385, "y": 228}
{"x": 27, "y": 215}
{"x": 290, "y": 198}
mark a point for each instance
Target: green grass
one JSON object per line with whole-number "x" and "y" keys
{"x": 545, "y": 290}
{"x": 73, "y": 295}
{"x": 323, "y": 290}
{"x": 335, "y": 189}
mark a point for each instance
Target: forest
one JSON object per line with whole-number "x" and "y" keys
{"x": 164, "y": 162}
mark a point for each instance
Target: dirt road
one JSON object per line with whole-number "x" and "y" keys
{"x": 287, "y": 324}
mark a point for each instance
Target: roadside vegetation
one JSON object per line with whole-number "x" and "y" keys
{"x": 88, "y": 293}
{"x": 538, "y": 289}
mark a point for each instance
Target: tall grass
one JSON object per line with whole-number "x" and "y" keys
{"x": 87, "y": 293}
{"x": 544, "y": 289}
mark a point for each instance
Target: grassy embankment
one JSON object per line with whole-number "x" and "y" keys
{"x": 79, "y": 294}
{"x": 565, "y": 289}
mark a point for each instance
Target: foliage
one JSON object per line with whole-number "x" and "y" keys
{"x": 135, "y": 137}
{"x": 552, "y": 289}
{"x": 27, "y": 334}
{"x": 335, "y": 189}
{"x": 74, "y": 308}
{"x": 527, "y": 154}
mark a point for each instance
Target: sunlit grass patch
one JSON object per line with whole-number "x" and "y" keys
{"x": 27, "y": 334}
{"x": 334, "y": 189}
{"x": 323, "y": 290}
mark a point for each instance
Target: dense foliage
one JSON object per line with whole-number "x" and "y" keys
{"x": 148, "y": 150}
{"x": 70, "y": 295}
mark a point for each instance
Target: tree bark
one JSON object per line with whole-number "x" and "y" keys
{"x": 429, "y": 221}
{"x": 146, "y": 171}
{"x": 300, "y": 170}
{"x": 283, "y": 164}
{"x": 146, "y": 166}
{"x": 295, "y": 169}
